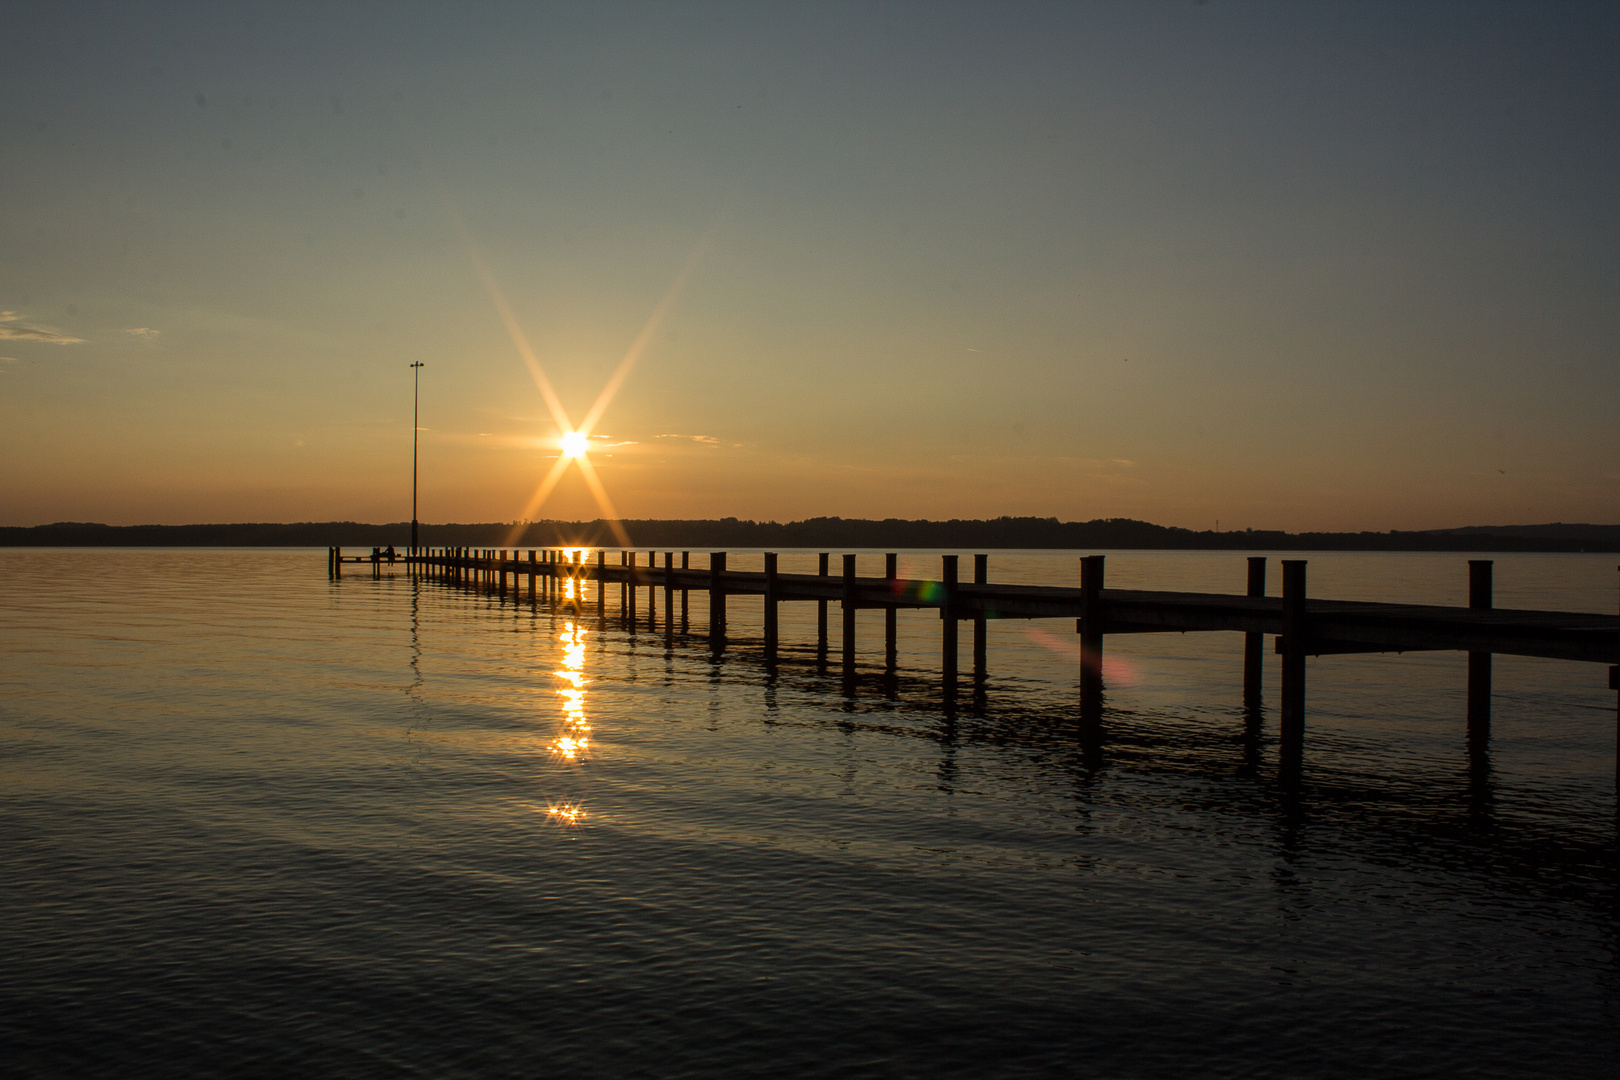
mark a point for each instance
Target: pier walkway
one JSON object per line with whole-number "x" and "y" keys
{"x": 1302, "y": 626}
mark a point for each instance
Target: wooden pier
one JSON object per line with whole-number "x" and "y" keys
{"x": 1302, "y": 626}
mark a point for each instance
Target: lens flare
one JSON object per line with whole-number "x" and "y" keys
{"x": 575, "y": 442}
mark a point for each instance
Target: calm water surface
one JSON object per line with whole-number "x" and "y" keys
{"x": 253, "y": 822}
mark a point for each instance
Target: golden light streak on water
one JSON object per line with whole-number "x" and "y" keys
{"x": 574, "y": 739}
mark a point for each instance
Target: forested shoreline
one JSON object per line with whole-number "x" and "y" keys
{"x": 822, "y": 532}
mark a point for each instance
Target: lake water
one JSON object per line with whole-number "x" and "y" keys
{"x": 255, "y": 822}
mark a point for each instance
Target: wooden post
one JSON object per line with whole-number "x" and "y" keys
{"x": 1254, "y": 644}
{"x": 891, "y": 571}
{"x": 821, "y": 617}
{"x": 669, "y": 593}
{"x": 534, "y": 573}
{"x": 770, "y": 607}
{"x": 1295, "y": 641}
{"x": 981, "y": 576}
{"x": 601, "y": 583}
{"x": 1479, "y": 663}
{"x": 849, "y": 616}
{"x": 686, "y": 594}
{"x": 652, "y": 592}
{"x": 717, "y": 601}
{"x": 947, "y": 613}
{"x": 629, "y": 589}
{"x": 1092, "y": 621}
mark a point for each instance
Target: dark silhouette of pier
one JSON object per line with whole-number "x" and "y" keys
{"x": 1301, "y": 626}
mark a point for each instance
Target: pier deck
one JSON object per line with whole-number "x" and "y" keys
{"x": 1302, "y": 626}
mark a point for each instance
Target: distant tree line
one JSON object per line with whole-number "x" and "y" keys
{"x": 822, "y": 532}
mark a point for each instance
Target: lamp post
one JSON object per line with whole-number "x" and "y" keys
{"x": 416, "y": 407}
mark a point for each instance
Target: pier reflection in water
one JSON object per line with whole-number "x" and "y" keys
{"x": 289, "y": 827}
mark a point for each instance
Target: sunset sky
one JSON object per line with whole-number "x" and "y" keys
{"x": 1295, "y": 266}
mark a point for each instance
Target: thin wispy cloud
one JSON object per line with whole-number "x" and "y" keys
{"x": 705, "y": 440}
{"x": 22, "y": 331}
{"x": 142, "y": 332}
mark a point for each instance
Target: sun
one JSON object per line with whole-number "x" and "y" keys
{"x": 575, "y": 444}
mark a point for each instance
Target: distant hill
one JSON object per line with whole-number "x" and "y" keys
{"x": 824, "y": 532}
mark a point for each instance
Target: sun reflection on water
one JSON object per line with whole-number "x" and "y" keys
{"x": 574, "y": 739}
{"x": 565, "y": 813}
